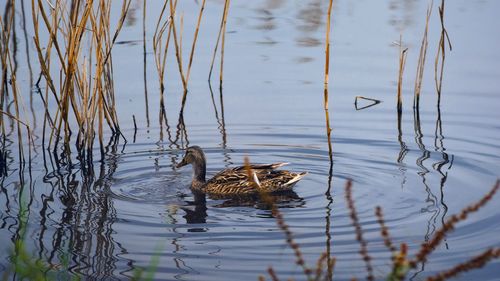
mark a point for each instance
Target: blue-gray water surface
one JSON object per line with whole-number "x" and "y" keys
{"x": 134, "y": 210}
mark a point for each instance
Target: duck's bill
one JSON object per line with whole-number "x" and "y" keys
{"x": 182, "y": 163}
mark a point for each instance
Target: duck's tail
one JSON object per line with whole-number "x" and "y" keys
{"x": 295, "y": 179}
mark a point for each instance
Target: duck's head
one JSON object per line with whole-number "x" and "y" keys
{"x": 194, "y": 155}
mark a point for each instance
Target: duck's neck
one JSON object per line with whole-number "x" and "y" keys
{"x": 200, "y": 170}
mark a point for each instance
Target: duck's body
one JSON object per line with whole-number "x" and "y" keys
{"x": 234, "y": 181}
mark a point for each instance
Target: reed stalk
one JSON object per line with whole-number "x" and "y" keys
{"x": 402, "y": 63}
{"x": 326, "y": 79}
{"x": 441, "y": 54}
{"x": 221, "y": 29}
{"x": 221, "y": 74}
{"x": 160, "y": 49}
{"x": 191, "y": 55}
{"x": 421, "y": 59}
{"x": 145, "y": 61}
{"x": 327, "y": 49}
{"x": 178, "y": 54}
{"x": 9, "y": 69}
{"x": 85, "y": 94}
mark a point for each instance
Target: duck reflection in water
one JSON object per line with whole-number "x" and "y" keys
{"x": 196, "y": 210}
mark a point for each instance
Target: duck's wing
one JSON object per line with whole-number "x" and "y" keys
{"x": 238, "y": 175}
{"x": 239, "y": 172}
{"x": 277, "y": 181}
{"x": 235, "y": 181}
{"x": 271, "y": 166}
{"x": 230, "y": 181}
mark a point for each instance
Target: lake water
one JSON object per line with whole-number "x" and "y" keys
{"x": 134, "y": 209}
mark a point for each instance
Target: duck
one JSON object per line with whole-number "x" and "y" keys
{"x": 235, "y": 181}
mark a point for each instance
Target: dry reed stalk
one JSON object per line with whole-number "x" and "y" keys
{"x": 160, "y": 53}
{"x": 328, "y": 128}
{"x": 144, "y": 61}
{"x": 8, "y": 67}
{"x": 221, "y": 74}
{"x": 6, "y": 30}
{"x": 402, "y": 63}
{"x": 441, "y": 51}
{"x": 161, "y": 50}
{"x": 191, "y": 55}
{"x": 86, "y": 90}
{"x": 218, "y": 39}
{"x": 327, "y": 70}
{"x": 449, "y": 225}
{"x": 421, "y": 59}
{"x": 327, "y": 48}
{"x": 359, "y": 231}
{"x": 176, "y": 44}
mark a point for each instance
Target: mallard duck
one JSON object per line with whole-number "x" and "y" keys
{"x": 234, "y": 181}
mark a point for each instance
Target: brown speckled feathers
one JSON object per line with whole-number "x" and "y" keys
{"x": 234, "y": 181}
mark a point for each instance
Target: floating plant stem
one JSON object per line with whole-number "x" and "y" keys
{"x": 374, "y": 102}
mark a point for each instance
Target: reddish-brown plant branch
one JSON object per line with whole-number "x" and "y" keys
{"x": 273, "y": 275}
{"x": 475, "y": 262}
{"x": 359, "y": 232}
{"x": 384, "y": 231}
{"x": 449, "y": 225}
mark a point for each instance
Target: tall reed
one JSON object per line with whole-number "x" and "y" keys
{"x": 160, "y": 48}
{"x": 421, "y": 59}
{"x": 11, "y": 102}
{"x": 402, "y": 63}
{"x": 441, "y": 54}
{"x": 83, "y": 90}
{"x": 222, "y": 33}
{"x": 326, "y": 78}
{"x": 145, "y": 61}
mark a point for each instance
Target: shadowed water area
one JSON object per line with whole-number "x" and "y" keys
{"x": 132, "y": 209}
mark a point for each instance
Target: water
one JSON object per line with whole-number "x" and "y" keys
{"x": 134, "y": 206}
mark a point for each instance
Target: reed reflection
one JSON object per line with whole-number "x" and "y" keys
{"x": 440, "y": 165}
{"x": 405, "y": 13}
{"x": 310, "y": 23}
{"x": 84, "y": 228}
{"x": 221, "y": 123}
